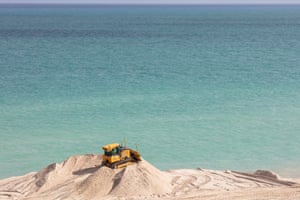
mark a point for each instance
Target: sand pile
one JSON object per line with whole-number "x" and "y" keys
{"x": 134, "y": 180}
{"x": 51, "y": 180}
{"x": 82, "y": 178}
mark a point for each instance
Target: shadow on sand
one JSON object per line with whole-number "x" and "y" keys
{"x": 87, "y": 170}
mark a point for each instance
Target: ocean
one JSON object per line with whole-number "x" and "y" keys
{"x": 213, "y": 87}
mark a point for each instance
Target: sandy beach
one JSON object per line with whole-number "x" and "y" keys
{"x": 81, "y": 177}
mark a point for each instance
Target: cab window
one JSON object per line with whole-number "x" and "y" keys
{"x": 115, "y": 151}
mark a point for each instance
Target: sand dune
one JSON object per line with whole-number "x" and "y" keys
{"x": 81, "y": 177}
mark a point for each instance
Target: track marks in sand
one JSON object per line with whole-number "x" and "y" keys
{"x": 194, "y": 182}
{"x": 187, "y": 181}
{"x": 184, "y": 184}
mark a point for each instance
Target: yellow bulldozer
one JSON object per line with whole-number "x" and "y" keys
{"x": 117, "y": 156}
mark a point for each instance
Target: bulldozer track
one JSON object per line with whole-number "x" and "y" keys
{"x": 184, "y": 187}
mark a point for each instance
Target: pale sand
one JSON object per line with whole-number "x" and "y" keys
{"x": 81, "y": 177}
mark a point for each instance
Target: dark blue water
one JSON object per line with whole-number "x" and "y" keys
{"x": 206, "y": 86}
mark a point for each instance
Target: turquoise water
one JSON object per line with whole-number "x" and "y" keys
{"x": 208, "y": 86}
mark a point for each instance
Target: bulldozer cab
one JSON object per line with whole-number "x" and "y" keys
{"x": 111, "y": 149}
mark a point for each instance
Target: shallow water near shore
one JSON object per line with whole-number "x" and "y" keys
{"x": 207, "y": 86}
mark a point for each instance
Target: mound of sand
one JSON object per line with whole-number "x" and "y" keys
{"x": 134, "y": 180}
{"x": 82, "y": 177}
